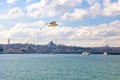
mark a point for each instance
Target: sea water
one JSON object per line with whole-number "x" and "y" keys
{"x": 59, "y": 67}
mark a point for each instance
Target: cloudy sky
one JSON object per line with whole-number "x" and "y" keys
{"x": 85, "y": 23}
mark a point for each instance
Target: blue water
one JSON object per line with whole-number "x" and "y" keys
{"x": 59, "y": 67}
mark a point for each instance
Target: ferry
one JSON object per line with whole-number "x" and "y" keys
{"x": 85, "y": 53}
{"x": 105, "y": 53}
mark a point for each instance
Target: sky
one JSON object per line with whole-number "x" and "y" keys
{"x": 85, "y": 23}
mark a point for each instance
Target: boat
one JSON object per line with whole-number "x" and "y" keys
{"x": 85, "y": 53}
{"x": 105, "y": 53}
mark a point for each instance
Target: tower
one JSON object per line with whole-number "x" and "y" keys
{"x": 8, "y": 40}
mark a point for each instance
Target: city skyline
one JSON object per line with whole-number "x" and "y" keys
{"x": 86, "y": 23}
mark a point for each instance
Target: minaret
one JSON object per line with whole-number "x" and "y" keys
{"x": 8, "y": 41}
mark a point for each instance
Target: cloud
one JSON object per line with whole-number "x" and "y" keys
{"x": 76, "y": 15}
{"x": 47, "y": 8}
{"x": 91, "y": 2}
{"x": 79, "y": 14}
{"x": 95, "y": 9}
{"x": 111, "y": 9}
{"x": 13, "y": 13}
{"x": 115, "y": 24}
{"x": 11, "y": 1}
{"x": 64, "y": 9}
{"x": 95, "y": 35}
{"x": 28, "y": 1}
{"x": 1, "y": 26}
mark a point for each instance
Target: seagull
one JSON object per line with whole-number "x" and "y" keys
{"x": 52, "y": 24}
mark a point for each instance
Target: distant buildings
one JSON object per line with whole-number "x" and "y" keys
{"x": 51, "y": 47}
{"x": 12, "y": 50}
{"x": 1, "y": 48}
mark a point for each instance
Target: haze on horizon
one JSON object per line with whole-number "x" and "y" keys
{"x": 86, "y": 23}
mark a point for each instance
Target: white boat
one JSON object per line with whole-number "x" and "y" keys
{"x": 105, "y": 53}
{"x": 85, "y": 53}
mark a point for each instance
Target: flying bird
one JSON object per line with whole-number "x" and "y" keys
{"x": 52, "y": 24}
